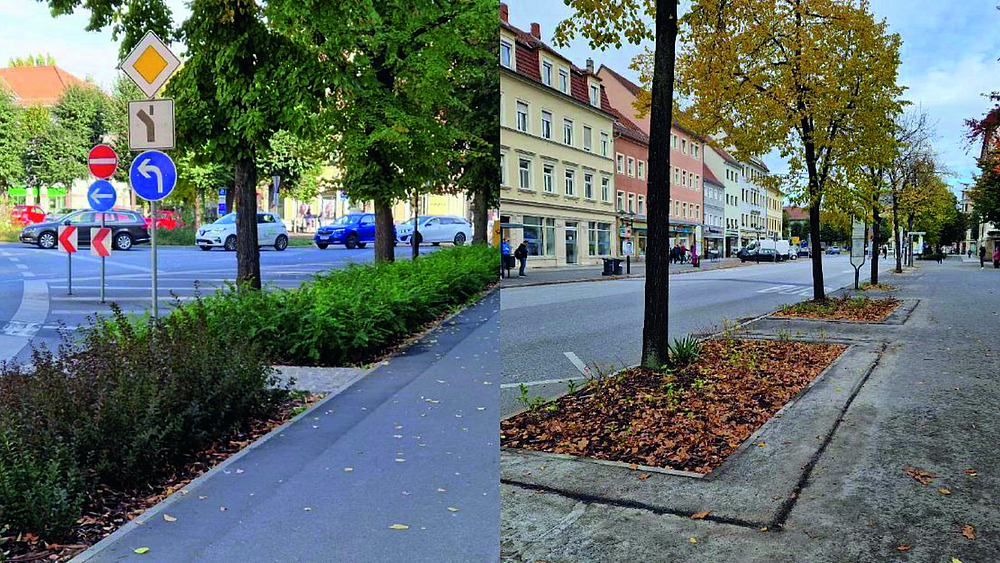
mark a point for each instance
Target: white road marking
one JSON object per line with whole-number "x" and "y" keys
{"x": 28, "y": 274}
{"x": 26, "y": 321}
{"x": 542, "y": 382}
{"x": 578, "y": 363}
{"x": 117, "y": 299}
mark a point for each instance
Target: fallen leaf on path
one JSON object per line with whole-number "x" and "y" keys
{"x": 700, "y": 515}
{"x": 452, "y": 509}
{"x": 944, "y": 491}
{"x": 692, "y": 540}
{"x": 969, "y": 532}
{"x": 348, "y": 469}
{"x": 956, "y": 560}
{"x": 239, "y": 471}
{"x": 142, "y": 550}
{"x": 399, "y": 527}
{"x": 633, "y": 466}
{"x": 922, "y": 477}
{"x": 971, "y": 472}
{"x": 643, "y": 476}
{"x": 169, "y": 518}
{"x": 903, "y": 548}
{"x": 202, "y": 497}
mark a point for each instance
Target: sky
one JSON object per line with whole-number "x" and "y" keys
{"x": 949, "y": 59}
{"x": 949, "y": 55}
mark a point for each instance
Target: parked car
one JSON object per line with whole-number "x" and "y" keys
{"x": 833, "y": 249}
{"x": 165, "y": 219}
{"x": 354, "y": 230}
{"x": 436, "y": 229}
{"x": 761, "y": 255}
{"x": 128, "y": 228}
{"x": 24, "y": 215}
{"x": 804, "y": 251}
{"x": 270, "y": 232}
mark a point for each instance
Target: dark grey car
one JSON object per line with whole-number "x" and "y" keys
{"x": 127, "y": 229}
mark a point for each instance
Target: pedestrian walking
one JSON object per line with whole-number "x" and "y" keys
{"x": 885, "y": 252}
{"x": 996, "y": 257}
{"x": 694, "y": 257}
{"x": 522, "y": 257}
{"x": 982, "y": 257}
{"x": 505, "y": 258}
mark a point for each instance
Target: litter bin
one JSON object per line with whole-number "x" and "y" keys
{"x": 617, "y": 266}
{"x": 608, "y": 267}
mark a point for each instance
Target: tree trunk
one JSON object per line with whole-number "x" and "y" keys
{"x": 876, "y": 245}
{"x": 414, "y": 245}
{"x": 385, "y": 242}
{"x": 909, "y": 229}
{"x": 480, "y": 219}
{"x": 896, "y": 235}
{"x": 199, "y": 204}
{"x": 819, "y": 292}
{"x": 655, "y": 338}
{"x": 247, "y": 251}
{"x": 230, "y": 200}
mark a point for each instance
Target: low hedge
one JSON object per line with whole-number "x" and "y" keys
{"x": 352, "y": 315}
{"x": 116, "y": 408}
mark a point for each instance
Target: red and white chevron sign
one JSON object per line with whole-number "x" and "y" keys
{"x": 67, "y": 238}
{"x": 100, "y": 241}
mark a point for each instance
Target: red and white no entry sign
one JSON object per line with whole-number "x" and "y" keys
{"x": 102, "y": 161}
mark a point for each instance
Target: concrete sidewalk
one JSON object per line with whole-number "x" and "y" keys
{"x": 571, "y": 274}
{"x": 929, "y": 402}
{"x": 412, "y": 444}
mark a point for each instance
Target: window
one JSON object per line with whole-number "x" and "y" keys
{"x": 684, "y": 146}
{"x": 599, "y": 235}
{"x": 568, "y": 132}
{"x": 588, "y": 141}
{"x": 548, "y": 172}
{"x": 642, "y": 205}
{"x": 522, "y": 117}
{"x": 673, "y": 142}
{"x": 685, "y": 207}
{"x": 605, "y": 190}
{"x": 684, "y": 178}
{"x": 621, "y": 201}
{"x": 631, "y": 203}
{"x": 547, "y": 73}
{"x": 697, "y": 181}
{"x": 677, "y": 209}
{"x": 503, "y": 170}
{"x": 550, "y": 237}
{"x": 588, "y": 186}
{"x": 604, "y": 144}
{"x": 546, "y": 124}
{"x": 677, "y": 175}
{"x": 524, "y": 173}
{"x": 697, "y": 212}
{"x": 631, "y": 167}
{"x": 533, "y": 235}
{"x": 563, "y": 81}
{"x": 694, "y": 150}
{"x": 620, "y": 163}
{"x": 595, "y": 95}
{"x": 642, "y": 169}
{"x": 570, "y": 182}
{"x": 505, "y": 52}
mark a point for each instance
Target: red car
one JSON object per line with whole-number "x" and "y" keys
{"x": 165, "y": 219}
{"x": 24, "y": 215}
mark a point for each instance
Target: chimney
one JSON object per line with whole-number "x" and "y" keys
{"x": 536, "y": 31}
{"x": 590, "y": 66}
{"x": 504, "y": 13}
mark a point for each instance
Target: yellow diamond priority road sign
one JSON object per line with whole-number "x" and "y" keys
{"x": 150, "y": 64}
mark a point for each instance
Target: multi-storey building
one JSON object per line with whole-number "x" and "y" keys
{"x": 727, "y": 169}
{"x": 713, "y": 229}
{"x": 753, "y": 202}
{"x": 556, "y": 152}
{"x": 774, "y": 226}
{"x": 686, "y": 160}
{"x": 631, "y": 150}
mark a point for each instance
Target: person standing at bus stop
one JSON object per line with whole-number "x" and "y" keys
{"x": 505, "y": 258}
{"x": 522, "y": 257}
{"x": 982, "y": 257}
{"x": 996, "y": 257}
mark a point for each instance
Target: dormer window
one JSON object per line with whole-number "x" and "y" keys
{"x": 563, "y": 81}
{"x": 506, "y": 50}
{"x": 595, "y": 95}
{"x": 547, "y": 73}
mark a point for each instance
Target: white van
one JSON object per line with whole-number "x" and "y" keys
{"x": 782, "y": 247}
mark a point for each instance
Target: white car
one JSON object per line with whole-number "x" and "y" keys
{"x": 436, "y": 229}
{"x": 270, "y": 232}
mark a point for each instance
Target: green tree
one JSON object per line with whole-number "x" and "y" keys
{"x": 38, "y": 60}
{"x": 805, "y": 80}
{"x": 197, "y": 178}
{"x": 608, "y": 24}
{"x": 297, "y": 162}
{"x": 122, "y": 91}
{"x": 80, "y": 119}
{"x": 12, "y": 142}
{"x": 985, "y": 193}
{"x": 393, "y": 71}
{"x": 36, "y": 123}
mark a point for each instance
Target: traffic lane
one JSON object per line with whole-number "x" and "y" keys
{"x": 535, "y": 337}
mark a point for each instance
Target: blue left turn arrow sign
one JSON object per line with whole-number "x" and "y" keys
{"x": 101, "y": 195}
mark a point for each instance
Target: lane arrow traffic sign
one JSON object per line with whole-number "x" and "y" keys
{"x": 100, "y": 241}
{"x": 101, "y": 195}
{"x": 153, "y": 175}
{"x": 68, "y": 238}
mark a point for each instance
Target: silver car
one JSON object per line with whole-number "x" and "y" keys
{"x": 436, "y": 229}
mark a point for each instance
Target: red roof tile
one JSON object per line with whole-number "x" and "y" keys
{"x": 37, "y": 85}
{"x": 709, "y": 177}
{"x": 628, "y": 128}
{"x": 725, "y": 155}
{"x": 797, "y": 213}
{"x": 632, "y": 87}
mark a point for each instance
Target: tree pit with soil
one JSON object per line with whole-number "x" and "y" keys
{"x": 856, "y": 309}
{"x": 688, "y": 418}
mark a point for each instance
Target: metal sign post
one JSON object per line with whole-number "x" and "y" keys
{"x": 102, "y": 197}
{"x": 858, "y": 249}
{"x": 153, "y": 176}
{"x": 152, "y": 244}
{"x": 68, "y": 242}
{"x": 103, "y": 216}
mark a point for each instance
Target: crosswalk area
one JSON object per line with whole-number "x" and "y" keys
{"x": 793, "y": 289}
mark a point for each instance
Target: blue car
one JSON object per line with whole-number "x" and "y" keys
{"x": 354, "y": 230}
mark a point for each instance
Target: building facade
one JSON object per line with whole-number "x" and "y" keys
{"x": 774, "y": 218}
{"x": 556, "y": 153}
{"x": 727, "y": 170}
{"x": 714, "y": 227}
{"x": 631, "y": 150}
{"x": 753, "y": 202}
